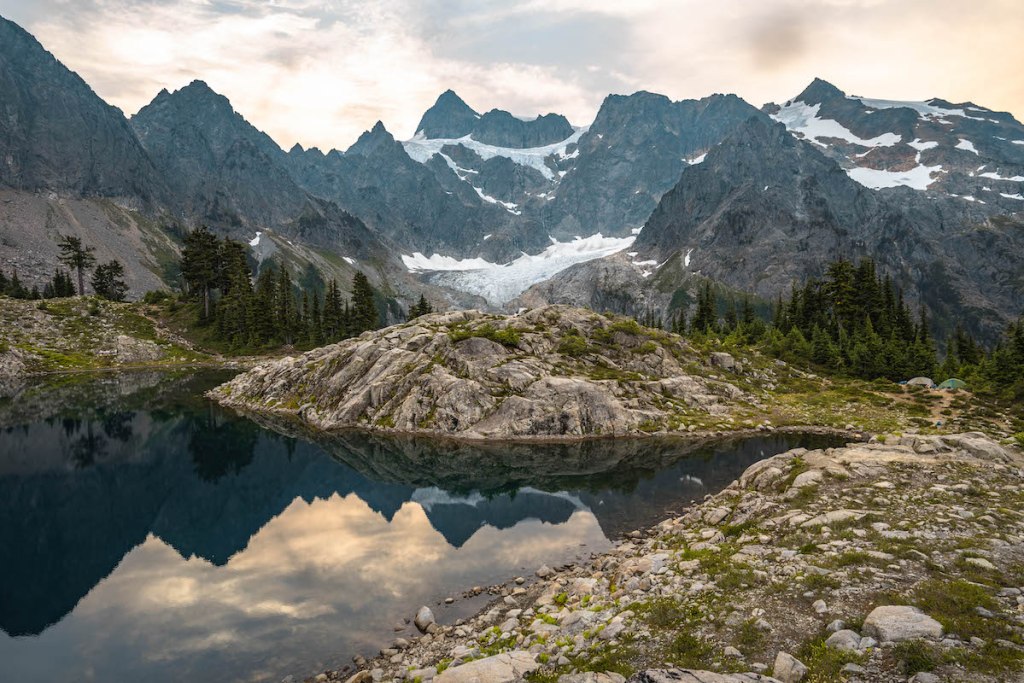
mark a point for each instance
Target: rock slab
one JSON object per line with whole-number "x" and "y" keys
{"x": 897, "y": 623}
{"x": 504, "y": 668}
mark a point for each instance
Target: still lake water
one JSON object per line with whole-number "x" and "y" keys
{"x": 147, "y": 534}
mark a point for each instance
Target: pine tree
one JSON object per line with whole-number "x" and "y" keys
{"x": 364, "y": 309}
{"x": 200, "y": 261}
{"x": 76, "y": 256}
{"x": 422, "y": 307}
{"x": 235, "y": 314}
{"x": 315, "y": 324}
{"x": 108, "y": 281}
{"x": 285, "y": 307}
{"x": 334, "y": 315}
{"x": 705, "y": 319}
{"x": 731, "y": 317}
{"x": 747, "y": 316}
{"x": 265, "y": 308}
{"x": 15, "y": 288}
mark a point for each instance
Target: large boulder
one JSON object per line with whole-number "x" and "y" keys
{"x": 788, "y": 668}
{"x": 897, "y": 623}
{"x": 504, "y": 668}
{"x": 424, "y": 619}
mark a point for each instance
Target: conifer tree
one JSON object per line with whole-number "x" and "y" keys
{"x": 76, "y": 256}
{"x": 705, "y": 318}
{"x": 200, "y": 261}
{"x": 265, "y": 308}
{"x": 364, "y": 309}
{"x": 235, "y": 308}
{"x": 108, "y": 281}
{"x": 285, "y": 307}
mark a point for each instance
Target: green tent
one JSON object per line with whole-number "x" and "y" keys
{"x": 953, "y": 383}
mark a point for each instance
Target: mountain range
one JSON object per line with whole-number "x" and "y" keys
{"x": 493, "y": 210}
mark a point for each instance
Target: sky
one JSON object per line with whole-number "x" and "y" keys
{"x": 320, "y": 72}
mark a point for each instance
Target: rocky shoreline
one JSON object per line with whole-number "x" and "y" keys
{"x": 899, "y": 559}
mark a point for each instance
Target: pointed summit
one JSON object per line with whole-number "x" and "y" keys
{"x": 371, "y": 141}
{"x": 450, "y": 117}
{"x": 819, "y": 91}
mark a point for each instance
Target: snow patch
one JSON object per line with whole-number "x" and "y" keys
{"x": 262, "y": 247}
{"x": 921, "y": 146}
{"x": 499, "y": 283}
{"x": 925, "y": 110}
{"x": 799, "y": 117}
{"x": 996, "y": 176}
{"x": 697, "y": 160}
{"x": 686, "y": 259}
{"x": 1018, "y": 197}
{"x": 966, "y": 145}
{"x": 348, "y": 260}
{"x": 509, "y": 206}
{"x": 918, "y": 178}
{"x": 422, "y": 148}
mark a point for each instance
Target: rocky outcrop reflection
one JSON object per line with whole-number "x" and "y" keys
{"x": 83, "y": 484}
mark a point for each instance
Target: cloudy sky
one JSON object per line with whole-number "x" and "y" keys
{"x": 319, "y": 72}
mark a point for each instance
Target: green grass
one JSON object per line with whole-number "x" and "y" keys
{"x": 824, "y": 663}
{"x": 915, "y": 656}
{"x": 507, "y": 336}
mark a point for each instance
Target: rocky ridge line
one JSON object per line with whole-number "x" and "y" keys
{"x": 551, "y": 372}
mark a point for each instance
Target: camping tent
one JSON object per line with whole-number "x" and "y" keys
{"x": 953, "y": 383}
{"x": 921, "y": 382}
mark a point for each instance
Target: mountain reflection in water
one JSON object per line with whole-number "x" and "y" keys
{"x": 148, "y": 534}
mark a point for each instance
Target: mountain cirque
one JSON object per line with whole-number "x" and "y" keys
{"x": 549, "y": 372}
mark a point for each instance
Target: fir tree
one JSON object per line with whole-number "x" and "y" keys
{"x": 108, "y": 281}
{"x": 705, "y": 319}
{"x": 200, "y": 261}
{"x": 364, "y": 313}
{"x": 76, "y": 256}
{"x": 422, "y": 307}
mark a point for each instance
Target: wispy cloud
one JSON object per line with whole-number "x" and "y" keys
{"x": 319, "y": 72}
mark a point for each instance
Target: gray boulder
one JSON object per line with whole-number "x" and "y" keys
{"x": 503, "y": 668}
{"x": 788, "y": 668}
{"x": 424, "y": 619}
{"x": 896, "y": 623}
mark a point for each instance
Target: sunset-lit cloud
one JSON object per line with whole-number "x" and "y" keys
{"x": 319, "y": 72}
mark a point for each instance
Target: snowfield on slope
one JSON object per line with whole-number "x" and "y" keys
{"x": 422, "y": 148}
{"x": 802, "y": 118}
{"x": 500, "y": 283}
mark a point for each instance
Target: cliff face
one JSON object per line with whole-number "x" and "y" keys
{"x": 550, "y": 372}
{"x": 56, "y": 134}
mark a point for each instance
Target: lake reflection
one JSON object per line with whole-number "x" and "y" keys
{"x": 147, "y": 534}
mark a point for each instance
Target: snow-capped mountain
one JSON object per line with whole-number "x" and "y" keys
{"x": 961, "y": 150}
{"x": 625, "y": 212}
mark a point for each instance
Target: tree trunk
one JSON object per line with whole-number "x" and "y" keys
{"x": 206, "y": 301}
{"x": 81, "y": 282}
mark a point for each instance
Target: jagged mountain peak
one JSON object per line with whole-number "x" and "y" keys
{"x": 819, "y": 91}
{"x": 197, "y": 96}
{"x": 449, "y": 117}
{"x": 373, "y": 141}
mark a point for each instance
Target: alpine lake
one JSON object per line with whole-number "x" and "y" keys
{"x": 148, "y": 534}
